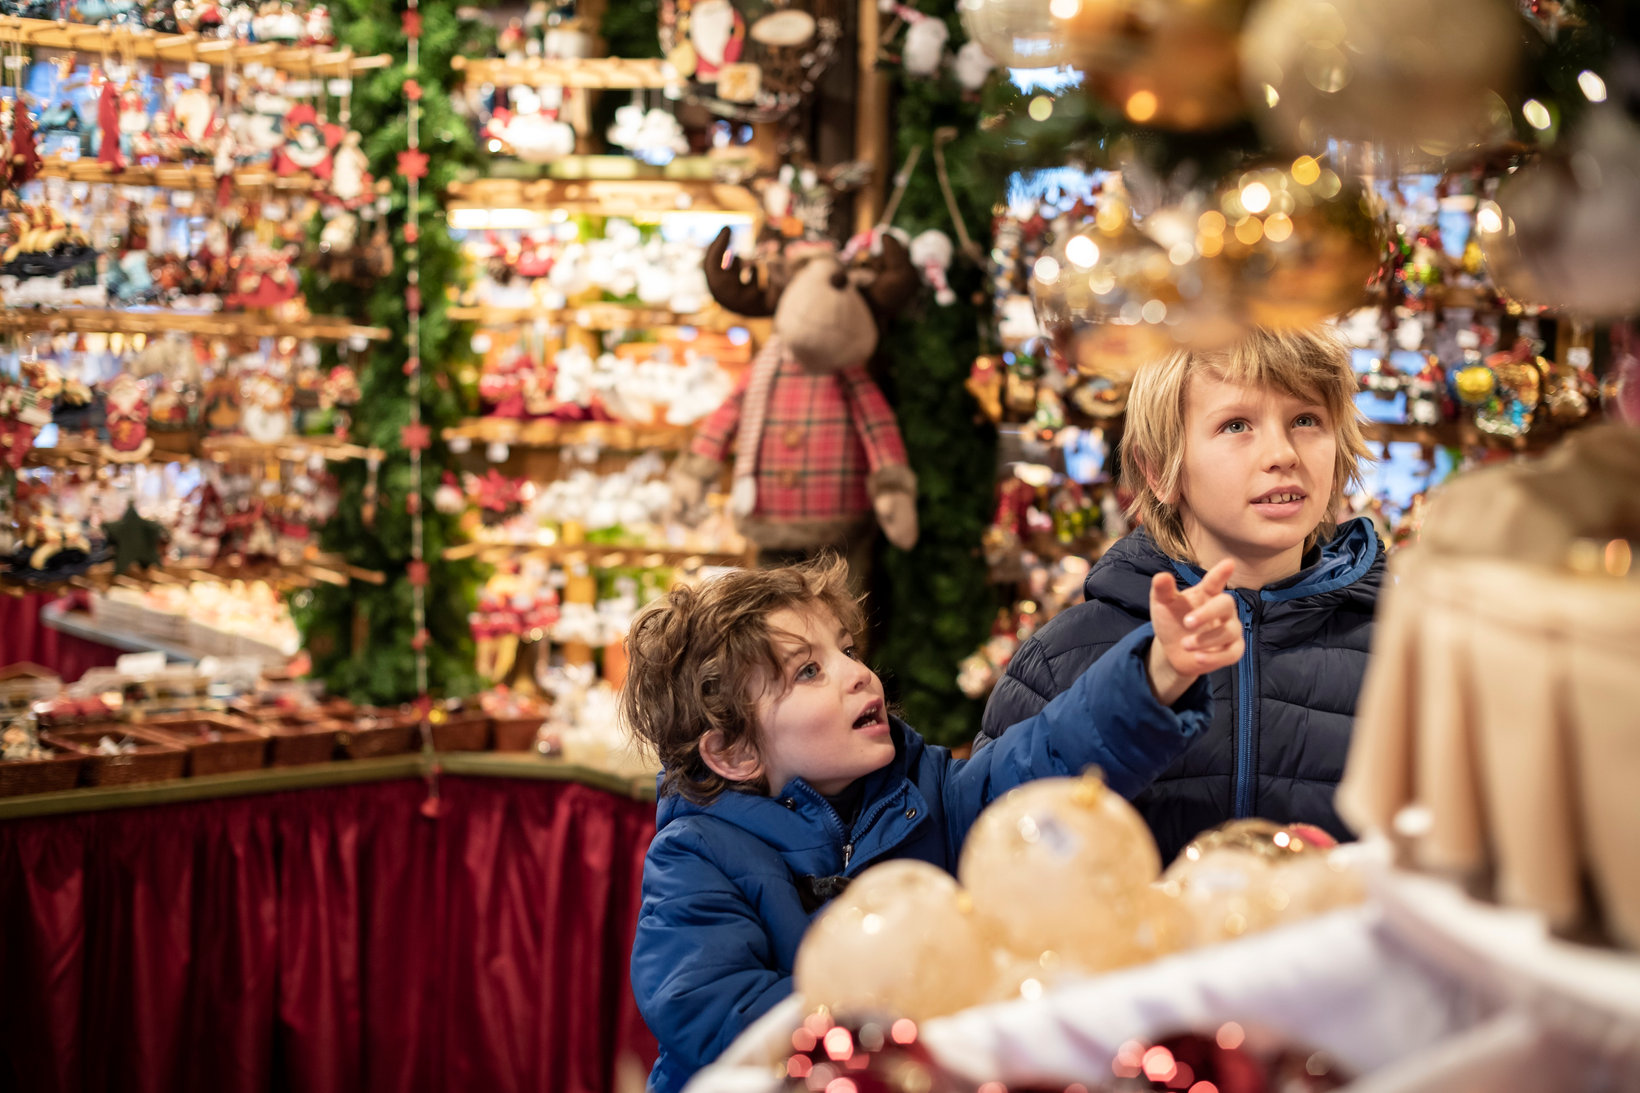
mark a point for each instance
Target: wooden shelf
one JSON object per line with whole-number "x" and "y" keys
{"x": 184, "y": 445}
{"x": 175, "y": 176}
{"x": 614, "y": 436}
{"x": 708, "y": 168}
{"x": 599, "y": 557}
{"x": 599, "y": 316}
{"x": 608, "y": 197}
{"x": 1455, "y": 434}
{"x": 314, "y": 569}
{"x": 217, "y": 324}
{"x": 126, "y": 40}
{"x": 588, "y": 72}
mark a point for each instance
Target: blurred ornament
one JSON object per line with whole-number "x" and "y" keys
{"x": 1103, "y": 297}
{"x": 1171, "y": 64}
{"x": 1250, "y": 875}
{"x": 883, "y": 947}
{"x": 1558, "y": 234}
{"x": 1620, "y": 388}
{"x": 1020, "y": 33}
{"x": 1411, "y": 76}
{"x": 885, "y": 1056}
{"x": 1084, "y": 843}
{"x": 1231, "y": 1059}
{"x": 1296, "y": 243}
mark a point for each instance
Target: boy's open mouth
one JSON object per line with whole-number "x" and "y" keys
{"x": 1280, "y": 496}
{"x": 872, "y": 716}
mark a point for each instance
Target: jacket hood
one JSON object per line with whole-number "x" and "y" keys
{"x": 1349, "y": 565}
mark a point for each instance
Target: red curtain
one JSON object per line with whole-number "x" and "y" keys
{"x": 327, "y": 941}
{"x": 24, "y": 637}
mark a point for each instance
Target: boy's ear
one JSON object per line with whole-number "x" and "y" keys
{"x": 1154, "y": 482}
{"x": 736, "y": 763}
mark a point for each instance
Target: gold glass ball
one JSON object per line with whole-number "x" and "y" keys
{"x": 901, "y": 941}
{"x": 1080, "y": 842}
{"x": 1169, "y": 63}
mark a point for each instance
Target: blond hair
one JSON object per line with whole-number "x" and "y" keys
{"x": 1309, "y": 364}
{"x": 701, "y": 658}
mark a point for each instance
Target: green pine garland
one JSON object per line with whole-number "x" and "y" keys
{"x": 380, "y": 668}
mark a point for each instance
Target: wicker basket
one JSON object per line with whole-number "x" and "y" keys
{"x": 216, "y": 743}
{"x": 298, "y": 739}
{"x": 467, "y": 730}
{"x": 376, "y": 731}
{"x": 155, "y": 759}
{"x": 516, "y": 733}
{"x": 56, "y": 772}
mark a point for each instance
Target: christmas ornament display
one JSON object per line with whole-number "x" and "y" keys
{"x": 1080, "y": 840}
{"x": 1554, "y": 235}
{"x": 882, "y": 948}
{"x": 1417, "y": 80}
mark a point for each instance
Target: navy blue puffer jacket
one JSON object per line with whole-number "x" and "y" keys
{"x": 1281, "y": 717}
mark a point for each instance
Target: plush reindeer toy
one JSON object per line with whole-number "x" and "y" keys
{"x": 816, "y": 448}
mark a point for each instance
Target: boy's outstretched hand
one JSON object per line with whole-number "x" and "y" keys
{"x": 1197, "y": 631}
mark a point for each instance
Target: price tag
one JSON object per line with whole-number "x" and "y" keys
{"x": 339, "y": 87}
{"x": 358, "y": 343}
{"x": 199, "y": 70}
{"x": 14, "y": 62}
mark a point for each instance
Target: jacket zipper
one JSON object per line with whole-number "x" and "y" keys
{"x": 1246, "y": 699}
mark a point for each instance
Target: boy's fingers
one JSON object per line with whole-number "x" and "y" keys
{"x": 1163, "y": 590}
{"x": 1218, "y": 609}
{"x": 1217, "y": 577}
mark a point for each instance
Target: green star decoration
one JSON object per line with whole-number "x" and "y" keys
{"x": 136, "y": 541}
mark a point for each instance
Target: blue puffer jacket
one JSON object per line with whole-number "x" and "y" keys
{"x": 1283, "y": 713}
{"x": 724, "y": 884}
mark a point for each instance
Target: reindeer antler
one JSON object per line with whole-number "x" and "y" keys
{"x": 735, "y": 285}
{"x": 896, "y": 281}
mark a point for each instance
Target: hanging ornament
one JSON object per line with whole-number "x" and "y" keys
{"x": 881, "y": 948}
{"x": 881, "y": 1056}
{"x": 136, "y": 541}
{"x": 108, "y": 126}
{"x": 1019, "y": 33}
{"x": 1297, "y": 243}
{"x": 1558, "y": 234}
{"x": 1231, "y": 1058}
{"x": 1422, "y": 80}
{"x": 1172, "y": 64}
{"x": 127, "y": 415}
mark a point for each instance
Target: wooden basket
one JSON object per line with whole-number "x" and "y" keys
{"x": 56, "y": 772}
{"x": 375, "y": 731}
{"x": 298, "y": 739}
{"x": 517, "y": 733}
{"x": 155, "y": 760}
{"x": 467, "y": 730}
{"x": 216, "y": 743}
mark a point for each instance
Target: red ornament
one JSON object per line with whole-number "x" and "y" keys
{"x": 412, "y": 298}
{"x": 413, "y": 164}
{"x": 412, "y": 504}
{"x": 417, "y": 572}
{"x": 412, "y": 90}
{"x": 411, "y": 233}
{"x": 411, "y": 21}
{"x": 423, "y": 705}
{"x": 25, "y": 158}
{"x": 416, "y": 437}
{"x": 419, "y": 642}
{"x": 108, "y": 124}
{"x": 412, "y": 366}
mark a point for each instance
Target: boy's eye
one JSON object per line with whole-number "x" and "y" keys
{"x": 807, "y": 672}
{"x": 852, "y": 653}
{"x": 1236, "y": 426}
{"x": 1307, "y": 421}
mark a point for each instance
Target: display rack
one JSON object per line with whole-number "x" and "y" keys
{"x": 612, "y": 73}
{"x": 213, "y": 324}
{"x": 176, "y": 176}
{"x": 609, "y": 435}
{"x": 600, "y": 316}
{"x": 599, "y": 557}
{"x": 130, "y": 41}
{"x": 601, "y": 196}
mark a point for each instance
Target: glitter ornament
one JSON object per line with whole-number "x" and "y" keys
{"x": 1082, "y": 842}
{"x": 884, "y": 947}
{"x": 1419, "y": 79}
{"x": 1250, "y": 875}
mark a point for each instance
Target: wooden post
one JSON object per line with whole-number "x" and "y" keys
{"x": 871, "y": 120}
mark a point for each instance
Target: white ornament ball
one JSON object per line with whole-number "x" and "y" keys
{"x": 901, "y": 941}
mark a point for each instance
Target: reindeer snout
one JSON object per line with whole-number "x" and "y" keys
{"x": 839, "y": 278}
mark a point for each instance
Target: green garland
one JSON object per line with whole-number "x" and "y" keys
{"x": 359, "y": 637}
{"x": 934, "y": 604}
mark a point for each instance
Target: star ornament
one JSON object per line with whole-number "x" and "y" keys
{"x": 413, "y": 164}
{"x": 136, "y": 541}
{"x": 416, "y": 437}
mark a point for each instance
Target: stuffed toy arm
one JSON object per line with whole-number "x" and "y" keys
{"x": 892, "y": 485}
{"x": 694, "y": 471}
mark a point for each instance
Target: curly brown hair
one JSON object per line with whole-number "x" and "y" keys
{"x": 700, "y": 659}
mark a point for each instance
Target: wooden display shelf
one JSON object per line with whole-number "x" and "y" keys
{"x": 123, "y": 40}
{"x": 599, "y": 316}
{"x": 1451, "y": 434}
{"x": 183, "y": 445}
{"x": 588, "y": 72}
{"x": 607, "y": 197}
{"x": 615, "y": 436}
{"x": 315, "y": 569}
{"x": 175, "y": 176}
{"x": 216, "y": 324}
{"x": 598, "y": 556}
{"x": 708, "y": 168}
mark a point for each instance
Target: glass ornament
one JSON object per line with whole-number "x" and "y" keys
{"x": 1084, "y": 844}
{"x": 901, "y": 941}
{"x": 1417, "y": 78}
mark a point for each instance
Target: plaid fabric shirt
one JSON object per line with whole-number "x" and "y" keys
{"x": 823, "y": 435}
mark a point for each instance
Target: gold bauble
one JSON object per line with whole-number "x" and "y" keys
{"x": 1060, "y": 865}
{"x": 1405, "y": 74}
{"x": 901, "y": 941}
{"x": 1296, "y": 244}
{"x": 1016, "y": 33}
{"x": 1166, "y": 63}
{"x": 1475, "y": 384}
{"x": 1103, "y": 298}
